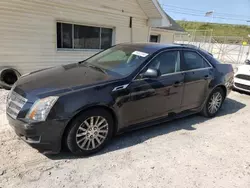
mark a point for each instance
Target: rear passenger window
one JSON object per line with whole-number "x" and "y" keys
{"x": 194, "y": 61}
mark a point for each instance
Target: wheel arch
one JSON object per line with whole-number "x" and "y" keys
{"x": 223, "y": 87}
{"x": 78, "y": 113}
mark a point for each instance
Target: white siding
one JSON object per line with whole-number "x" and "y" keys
{"x": 157, "y": 16}
{"x": 140, "y": 34}
{"x": 28, "y": 28}
{"x": 166, "y": 37}
{"x": 150, "y": 8}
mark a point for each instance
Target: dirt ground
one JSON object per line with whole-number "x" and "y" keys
{"x": 190, "y": 152}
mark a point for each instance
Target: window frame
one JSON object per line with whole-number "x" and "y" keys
{"x": 150, "y": 61}
{"x": 162, "y": 75}
{"x": 87, "y": 25}
{"x": 199, "y": 54}
{"x": 182, "y": 63}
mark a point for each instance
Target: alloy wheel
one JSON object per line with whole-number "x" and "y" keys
{"x": 92, "y": 133}
{"x": 215, "y": 103}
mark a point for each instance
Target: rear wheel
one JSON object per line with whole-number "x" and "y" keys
{"x": 90, "y": 132}
{"x": 214, "y": 103}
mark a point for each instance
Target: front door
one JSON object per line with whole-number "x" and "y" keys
{"x": 155, "y": 98}
{"x": 198, "y": 74}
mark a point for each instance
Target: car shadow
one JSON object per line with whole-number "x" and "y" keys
{"x": 241, "y": 92}
{"x": 129, "y": 139}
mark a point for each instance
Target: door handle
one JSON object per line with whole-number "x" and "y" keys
{"x": 177, "y": 84}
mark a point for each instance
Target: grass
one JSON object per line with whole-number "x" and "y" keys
{"x": 218, "y": 29}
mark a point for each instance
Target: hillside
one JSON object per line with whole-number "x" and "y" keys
{"x": 218, "y": 29}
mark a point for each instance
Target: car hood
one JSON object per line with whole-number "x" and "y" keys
{"x": 244, "y": 69}
{"x": 60, "y": 79}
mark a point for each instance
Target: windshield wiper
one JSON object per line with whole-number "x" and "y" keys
{"x": 97, "y": 68}
{"x": 80, "y": 62}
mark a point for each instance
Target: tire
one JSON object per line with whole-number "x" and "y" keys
{"x": 81, "y": 134}
{"x": 207, "y": 109}
{"x": 8, "y": 77}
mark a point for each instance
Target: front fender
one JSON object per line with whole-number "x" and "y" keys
{"x": 74, "y": 102}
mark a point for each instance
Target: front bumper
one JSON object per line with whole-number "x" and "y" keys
{"x": 242, "y": 85}
{"x": 44, "y": 136}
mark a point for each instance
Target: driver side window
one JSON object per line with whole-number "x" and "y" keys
{"x": 166, "y": 62}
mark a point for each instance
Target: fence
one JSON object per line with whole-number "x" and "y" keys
{"x": 227, "y": 49}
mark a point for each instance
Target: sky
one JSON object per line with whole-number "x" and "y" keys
{"x": 224, "y": 11}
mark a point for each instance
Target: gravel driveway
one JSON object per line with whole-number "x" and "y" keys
{"x": 190, "y": 152}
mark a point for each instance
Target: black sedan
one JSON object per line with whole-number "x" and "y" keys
{"x": 126, "y": 87}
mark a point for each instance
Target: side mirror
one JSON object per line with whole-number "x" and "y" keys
{"x": 151, "y": 73}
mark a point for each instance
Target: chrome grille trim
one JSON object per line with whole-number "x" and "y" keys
{"x": 15, "y": 103}
{"x": 242, "y": 86}
{"x": 243, "y": 77}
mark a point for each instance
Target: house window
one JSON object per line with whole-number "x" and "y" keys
{"x": 155, "y": 38}
{"x": 71, "y": 36}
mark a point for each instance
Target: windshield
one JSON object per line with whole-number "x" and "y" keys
{"x": 122, "y": 60}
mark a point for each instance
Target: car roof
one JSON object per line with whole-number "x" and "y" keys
{"x": 153, "y": 47}
{"x": 150, "y": 45}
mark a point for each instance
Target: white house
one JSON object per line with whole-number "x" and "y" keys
{"x": 42, "y": 33}
{"x": 165, "y": 34}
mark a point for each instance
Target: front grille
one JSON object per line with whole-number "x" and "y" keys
{"x": 15, "y": 103}
{"x": 242, "y": 86}
{"x": 243, "y": 77}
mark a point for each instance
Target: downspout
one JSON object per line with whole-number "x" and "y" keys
{"x": 131, "y": 29}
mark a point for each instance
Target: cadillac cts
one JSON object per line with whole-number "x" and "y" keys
{"x": 128, "y": 86}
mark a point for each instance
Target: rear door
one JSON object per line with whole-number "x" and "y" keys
{"x": 198, "y": 74}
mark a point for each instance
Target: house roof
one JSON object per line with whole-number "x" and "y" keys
{"x": 155, "y": 13}
{"x": 174, "y": 26}
{"x": 158, "y": 18}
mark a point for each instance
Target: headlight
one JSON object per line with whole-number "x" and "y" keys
{"x": 41, "y": 108}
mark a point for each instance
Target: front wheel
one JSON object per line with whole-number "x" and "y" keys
{"x": 90, "y": 132}
{"x": 214, "y": 103}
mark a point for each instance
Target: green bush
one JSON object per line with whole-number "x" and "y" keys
{"x": 218, "y": 29}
